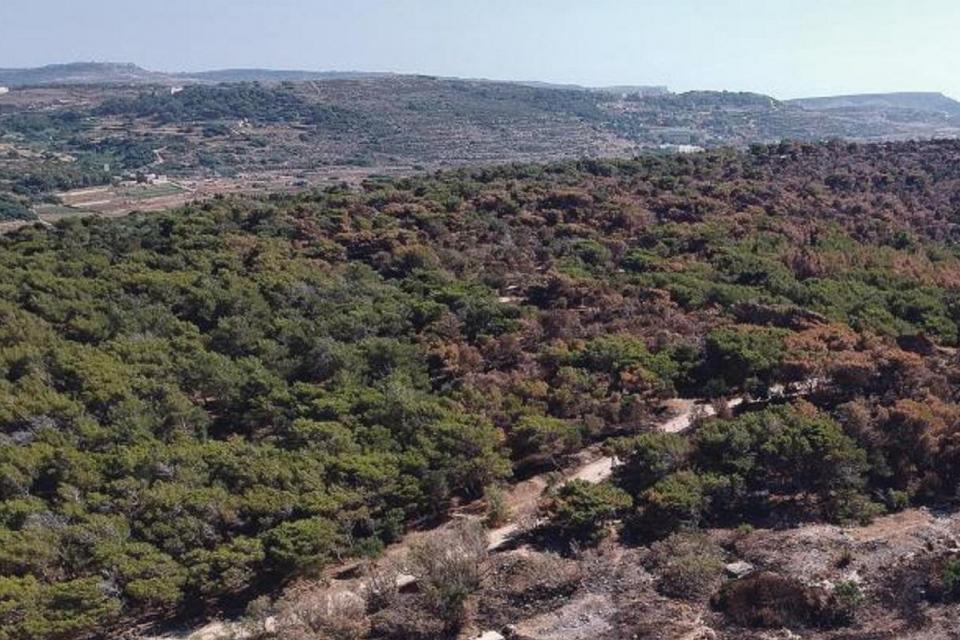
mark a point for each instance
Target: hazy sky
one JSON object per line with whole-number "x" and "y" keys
{"x": 781, "y": 47}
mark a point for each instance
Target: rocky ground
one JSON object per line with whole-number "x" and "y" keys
{"x": 613, "y": 591}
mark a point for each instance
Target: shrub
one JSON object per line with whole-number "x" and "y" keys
{"x": 303, "y": 544}
{"x": 851, "y": 506}
{"x": 951, "y": 580}
{"x": 449, "y": 567}
{"x": 648, "y": 458}
{"x": 498, "y": 511}
{"x": 30, "y": 609}
{"x": 770, "y": 600}
{"x": 631, "y": 362}
{"x": 847, "y": 599}
{"x": 546, "y": 437}
{"x": 787, "y": 450}
{"x": 741, "y": 353}
{"x": 581, "y": 511}
{"x": 12, "y": 209}
{"x": 896, "y": 500}
{"x": 688, "y": 565}
{"x": 677, "y": 501}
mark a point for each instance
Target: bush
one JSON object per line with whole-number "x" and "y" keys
{"x": 688, "y": 565}
{"x": 850, "y": 506}
{"x": 303, "y": 544}
{"x": 847, "y": 599}
{"x": 951, "y": 580}
{"x": 679, "y": 500}
{"x": 628, "y": 358}
{"x": 787, "y": 450}
{"x": 770, "y": 600}
{"x": 498, "y": 511}
{"x": 896, "y": 500}
{"x": 741, "y": 353}
{"x": 648, "y": 458}
{"x": 581, "y": 511}
{"x": 13, "y": 209}
{"x": 31, "y": 610}
{"x": 542, "y": 436}
{"x": 449, "y": 566}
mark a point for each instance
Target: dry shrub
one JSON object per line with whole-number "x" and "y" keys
{"x": 408, "y": 619}
{"x": 498, "y": 511}
{"x": 722, "y": 408}
{"x": 380, "y": 586}
{"x": 537, "y": 577}
{"x": 449, "y": 566}
{"x": 258, "y": 619}
{"x": 323, "y": 615}
{"x": 687, "y": 564}
{"x": 766, "y": 600}
{"x": 772, "y": 601}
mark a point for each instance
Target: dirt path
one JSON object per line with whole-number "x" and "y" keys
{"x": 523, "y": 502}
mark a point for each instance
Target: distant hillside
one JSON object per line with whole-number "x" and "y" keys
{"x": 128, "y": 73}
{"x": 81, "y": 73}
{"x": 292, "y": 127}
{"x": 638, "y": 90}
{"x": 273, "y": 75}
{"x": 919, "y": 101}
{"x": 626, "y": 89}
{"x": 131, "y": 74}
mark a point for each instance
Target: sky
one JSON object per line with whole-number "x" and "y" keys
{"x": 784, "y": 48}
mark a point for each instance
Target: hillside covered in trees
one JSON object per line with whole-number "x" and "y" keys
{"x": 200, "y": 405}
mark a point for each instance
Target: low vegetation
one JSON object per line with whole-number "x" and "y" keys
{"x": 13, "y": 209}
{"x": 687, "y": 565}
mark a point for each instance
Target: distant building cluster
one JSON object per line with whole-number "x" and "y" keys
{"x": 131, "y": 178}
{"x": 681, "y": 148}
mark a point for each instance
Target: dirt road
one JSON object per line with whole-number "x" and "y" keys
{"x": 523, "y": 501}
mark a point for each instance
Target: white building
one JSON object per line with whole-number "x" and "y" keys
{"x": 4, "y": 90}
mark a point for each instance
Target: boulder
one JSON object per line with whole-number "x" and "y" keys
{"x": 738, "y": 569}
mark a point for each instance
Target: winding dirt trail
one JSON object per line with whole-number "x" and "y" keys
{"x": 523, "y": 502}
